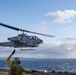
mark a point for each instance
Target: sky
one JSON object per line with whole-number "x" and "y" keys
{"x": 53, "y": 17}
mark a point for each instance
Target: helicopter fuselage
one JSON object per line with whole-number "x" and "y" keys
{"x": 22, "y": 41}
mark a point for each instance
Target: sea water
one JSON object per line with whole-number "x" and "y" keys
{"x": 62, "y": 65}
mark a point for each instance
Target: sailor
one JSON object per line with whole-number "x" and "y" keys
{"x": 15, "y": 67}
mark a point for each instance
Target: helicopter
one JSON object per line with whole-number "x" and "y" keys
{"x": 22, "y": 40}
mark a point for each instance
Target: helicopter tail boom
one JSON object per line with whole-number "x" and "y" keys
{"x": 6, "y": 44}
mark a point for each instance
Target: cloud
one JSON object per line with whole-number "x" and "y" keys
{"x": 61, "y": 16}
{"x": 70, "y": 29}
{"x": 43, "y": 28}
{"x": 60, "y": 48}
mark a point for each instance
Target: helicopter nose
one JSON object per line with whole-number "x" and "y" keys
{"x": 41, "y": 41}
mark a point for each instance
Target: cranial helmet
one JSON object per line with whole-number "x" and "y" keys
{"x": 16, "y": 61}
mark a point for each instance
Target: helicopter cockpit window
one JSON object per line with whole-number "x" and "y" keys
{"x": 34, "y": 37}
{"x": 30, "y": 37}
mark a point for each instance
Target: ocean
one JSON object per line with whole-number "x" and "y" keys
{"x": 62, "y": 65}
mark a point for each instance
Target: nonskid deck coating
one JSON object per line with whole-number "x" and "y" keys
{"x": 5, "y": 72}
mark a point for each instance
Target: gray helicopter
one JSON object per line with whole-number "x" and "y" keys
{"x": 22, "y": 40}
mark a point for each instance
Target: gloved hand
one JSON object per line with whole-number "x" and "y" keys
{"x": 33, "y": 71}
{"x": 13, "y": 52}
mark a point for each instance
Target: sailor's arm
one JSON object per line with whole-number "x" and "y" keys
{"x": 25, "y": 70}
{"x": 8, "y": 59}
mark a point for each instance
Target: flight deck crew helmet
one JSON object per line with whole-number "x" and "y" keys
{"x": 16, "y": 60}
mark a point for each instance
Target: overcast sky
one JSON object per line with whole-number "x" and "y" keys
{"x": 54, "y": 17}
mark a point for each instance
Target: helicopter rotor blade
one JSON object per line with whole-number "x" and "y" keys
{"x": 39, "y": 33}
{"x": 18, "y": 29}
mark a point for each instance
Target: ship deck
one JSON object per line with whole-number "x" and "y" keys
{"x": 5, "y": 72}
